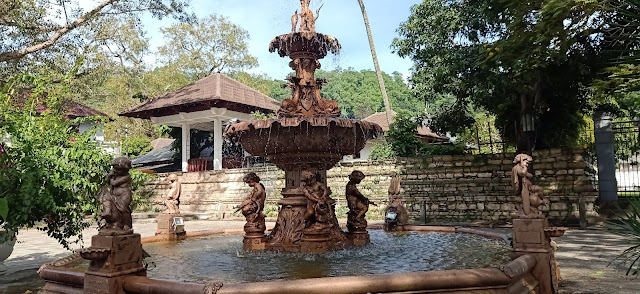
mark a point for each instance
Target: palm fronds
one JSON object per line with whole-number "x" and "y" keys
{"x": 628, "y": 226}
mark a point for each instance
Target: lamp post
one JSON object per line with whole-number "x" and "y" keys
{"x": 528, "y": 125}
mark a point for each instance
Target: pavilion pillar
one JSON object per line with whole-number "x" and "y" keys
{"x": 186, "y": 146}
{"x": 217, "y": 144}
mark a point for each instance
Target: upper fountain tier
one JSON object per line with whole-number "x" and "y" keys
{"x": 303, "y": 40}
{"x": 304, "y": 43}
{"x": 308, "y": 132}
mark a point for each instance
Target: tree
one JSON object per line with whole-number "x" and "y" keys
{"x": 510, "y": 58}
{"x": 49, "y": 174}
{"x": 385, "y": 98}
{"x": 619, "y": 89}
{"x": 207, "y": 46}
{"x": 28, "y": 26}
{"x": 358, "y": 93}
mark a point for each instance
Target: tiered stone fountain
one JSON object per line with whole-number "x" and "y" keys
{"x": 307, "y": 138}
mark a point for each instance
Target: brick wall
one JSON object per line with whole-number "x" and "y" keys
{"x": 438, "y": 189}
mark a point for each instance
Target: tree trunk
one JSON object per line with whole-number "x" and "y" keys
{"x": 385, "y": 98}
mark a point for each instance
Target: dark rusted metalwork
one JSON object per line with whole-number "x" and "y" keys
{"x": 308, "y": 135}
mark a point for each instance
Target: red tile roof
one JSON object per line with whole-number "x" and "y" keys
{"x": 216, "y": 90}
{"x": 70, "y": 108}
{"x": 380, "y": 118}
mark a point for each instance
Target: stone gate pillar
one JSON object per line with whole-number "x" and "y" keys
{"x": 604, "y": 140}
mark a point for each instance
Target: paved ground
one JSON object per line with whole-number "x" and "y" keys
{"x": 583, "y": 257}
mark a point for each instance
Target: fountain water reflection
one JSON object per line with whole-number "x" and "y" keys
{"x": 216, "y": 258}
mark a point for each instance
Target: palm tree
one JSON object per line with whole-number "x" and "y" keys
{"x": 385, "y": 98}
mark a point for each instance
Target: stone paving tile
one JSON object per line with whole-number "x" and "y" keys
{"x": 584, "y": 257}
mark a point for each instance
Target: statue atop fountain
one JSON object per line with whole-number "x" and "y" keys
{"x": 170, "y": 221}
{"x": 396, "y": 214}
{"x": 531, "y": 195}
{"x": 116, "y": 204}
{"x": 252, "y": 207}
{"x": 531, "y": 231}
{"x": 358, "y": 206}
{"x": 172, "y": 201}
{"x": 307, "y": 138}
{"x": 115, "y": 251}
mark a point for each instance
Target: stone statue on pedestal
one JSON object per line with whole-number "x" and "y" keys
{"x": 396, "y": 215}
{"x": 116, "y": 204}
{"x": 172, "y": 202}
{"x": 532, "y": 197}
{"x": 253, "y": 206}
{"x": 358, "y": 203}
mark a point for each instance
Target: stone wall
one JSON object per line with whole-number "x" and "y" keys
{"x": 447, "y": 188}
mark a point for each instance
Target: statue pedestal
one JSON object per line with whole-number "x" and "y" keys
{"x": 250, "y": 243}
{"x": 168, "y": 229}
{"x": 254, "y": 238}
{"x": 359, "y": 238}
{"x": 529, "y": 238}
{"x": 112, "y": 259}
{"x": 315, "y": 240}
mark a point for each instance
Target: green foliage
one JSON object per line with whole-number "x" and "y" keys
{"x": 404, "y": 143}
{"x": 509, "y": 58}
{"x": 141, "y": 197}
{"x": 358, "y": 92}
{"x": 382, "y": 150}
{"x": 401, "y": 136}
{"x": 138, "y": 146}
{"x": 258, "y": 115}
{"x": 629, "y": 227}
{"x": 206, "y": 46}
{"x": 50, "y": 174}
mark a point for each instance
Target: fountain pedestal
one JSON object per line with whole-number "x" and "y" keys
{"x": 287, "y": 233}
{"x": 531, "y": 237}
{"x": 113, "y": 257}
{"x": 316, "y": 239}
{"x": 254, "y": 237}
{"x": 359, "y": 238}
{"x": 167, "y": 227}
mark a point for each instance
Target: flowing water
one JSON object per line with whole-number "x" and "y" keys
{"x": 221, "y": 259}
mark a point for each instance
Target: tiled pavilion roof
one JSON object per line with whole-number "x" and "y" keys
{"x": 216, "y": 90}
{"x": 424, "y": 132}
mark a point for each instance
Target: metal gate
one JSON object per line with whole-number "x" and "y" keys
{"x": 627, "y": 153}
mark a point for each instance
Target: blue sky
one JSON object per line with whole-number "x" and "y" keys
{"x": 265, "y": 19}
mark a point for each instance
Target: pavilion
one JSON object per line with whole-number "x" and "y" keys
{"x": 204, "y": 105}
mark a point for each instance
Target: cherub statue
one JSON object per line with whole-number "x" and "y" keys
{"x": 254, "y": 204}
{"x": 317, "y": 194}
{"x": 294, "y": 21}
{"x": 116, "y": 209}
{"x": 531, "y": 195}
{"x": 396, "y": 215}
{"x": 308, "y": 21}
{"x": 172, "y": 201}
{"x": 358, "y": 203}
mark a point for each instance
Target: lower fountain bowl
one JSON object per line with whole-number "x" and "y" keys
{"x": 293, "y": 143}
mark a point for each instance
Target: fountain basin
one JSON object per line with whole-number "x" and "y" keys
{"x": 304, "y": 142}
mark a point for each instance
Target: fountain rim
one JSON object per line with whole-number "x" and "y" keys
{"x": 373, "y": 130}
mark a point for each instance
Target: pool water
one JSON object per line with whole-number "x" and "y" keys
{"x": 221, "y": 259}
